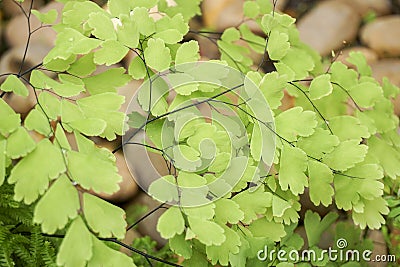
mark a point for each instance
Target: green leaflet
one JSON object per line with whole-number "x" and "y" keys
{"x": 187, "y": 52}
{"x": 50, "y": 104}
{"x": 57, "y": 206}
{"x": 365, "y": 94}
{"x": 37, "y": 120}
{"x": 298, "y": 62}
{"x": 47, "y": 161}
{"x": 278, "y": 45}
{"x": 157, "y": 55}
{"x": 9, "y": 119}
{"x": 111, "y": 52}
{"x": 315, "y": 226}
{"x": 105, "y": 107}
{"x": 207, "y": 232}
{"x": 187, "y": 9}
{"x": 272, "y": 86}
{"x": 76, "y": 247}
{"x": 83, "y": 67}
{"x": 47, "y": 18}
{"x": 92, "y": 172}
{"x": 13, "y": 84}
{"x": 89, "y": 127}
{"x": 220, "y": 253}
{"x": 345, "y": 155}
{"x": 106, "y": 256}
{"x": 371, "y": 215}
{"x": 2, "y": 161}
{"x": 180, "y": 246}
{"x": 112, "y": 223}
{"x": 107, "y": 81}
{"x": 320, "y": 177}
{"x": 348, "y": 128}
{"x": 295, "y": 122}
{"x": 19, "y": 143}
{"x": 103, "y": 27}
{"x": 253, "y": 203}
{"x": 319, "y": 143}
{"x": 293, "y": 164}
{"x": 251, "y": 9}
{"x": 227, "y": 211}
{"x": 320, "y": 86}
{"x": 264, "y": 228}
{"x": 137, "y": 69}
{"x": 128, "y": 32}
{"x": 386, "y": 155}
{"x": 171, "y": 223}
{"x": 358, "y": 59}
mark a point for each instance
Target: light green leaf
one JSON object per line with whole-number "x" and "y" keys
{"x": 103, "y": 255}
{"x": 227, "y": 211}
{"x": 205, "y": 212}
{"x": 319, "y": 143}
{"x": 84, "y": 66}
{"x": 92, "y": 172}
{"x": 295, "y": 122}
{"x": 253, "y": 203}
{"x": 50, "y": 104}
{"x": 315, "y": 226}
{"x": 279, "y": 206}
{"x": 57, "y": 206}
{"x": 207, "y": 232}
{"x": 10, "y": 120}
{"x": 171, "y": 223}
{"x": 256, "y": 142}
{"x": 48, "y": 163}
{"x": 371, "y": 215}
{"x": 345, "y": 155}
{"x": 187, "y": 52}
{"x": 345, "y": 77}
{"x": 112, "y": 223}
{"x": 111, "y": 52}
{"x": 102, "y": 26}
{"x": 180, "y": 246}
{"x": 348, "y": 128}
{"x": 264, "y": 228}
{"x": 365, "y": 94}
{"x": 220, "y": 253}
{"x": 2, "y": 161}
{"x": 107, "y": 81}
{"x": 136, "y": 119}
{"x": 169, "y": 36}
{"x": 19, "y": 143}
{"x": 299, "y": 61}
{"x": 358, "y": 59}
{"x": 272, "y": 86}
{"x": 157, "y": 55}
{"x": 37, "y": 121}
{"x": 89, "y": 127}
{"x": 278, "y": 45}
{"x": 47, "y": 18}
{"x": 70, "y": 253}
{"x": 128, "y": 32}
{"x": 321, "y": 178}
{"x": 251, "y": 9}
{"x": 13, "y": 84}
{"x": 386, "y": 155}
{"x": 141, "y": 16}
{"x": 293, "y": 164}
{"x": 137, "y": 69}
{"x": 320, "y": 86}
{"x": 220, "y": 162}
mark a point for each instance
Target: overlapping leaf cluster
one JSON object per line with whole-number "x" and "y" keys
{"x": 339, "y": 144}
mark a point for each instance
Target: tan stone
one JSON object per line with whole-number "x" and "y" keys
{"x": 328, "y": 25}
{"x": 362, "y": 7}
{"x": 383, "y": 35}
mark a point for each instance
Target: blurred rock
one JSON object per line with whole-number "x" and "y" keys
{"x": 383, "y": 35}
{"x": 389, "y": 68}
{"x": 379, "y": 247}
{"x": 222, "y": 14}
{"x": 362, "y": 7}
{"x": 327, "y": 25}
{"x": 16, "y": 32}
{"x": 12, "y": 9}
{"x": 369, "y": 54}
{"x": 149, "y": 225}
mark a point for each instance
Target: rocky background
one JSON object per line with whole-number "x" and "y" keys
{"x": 369, "y": 26}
